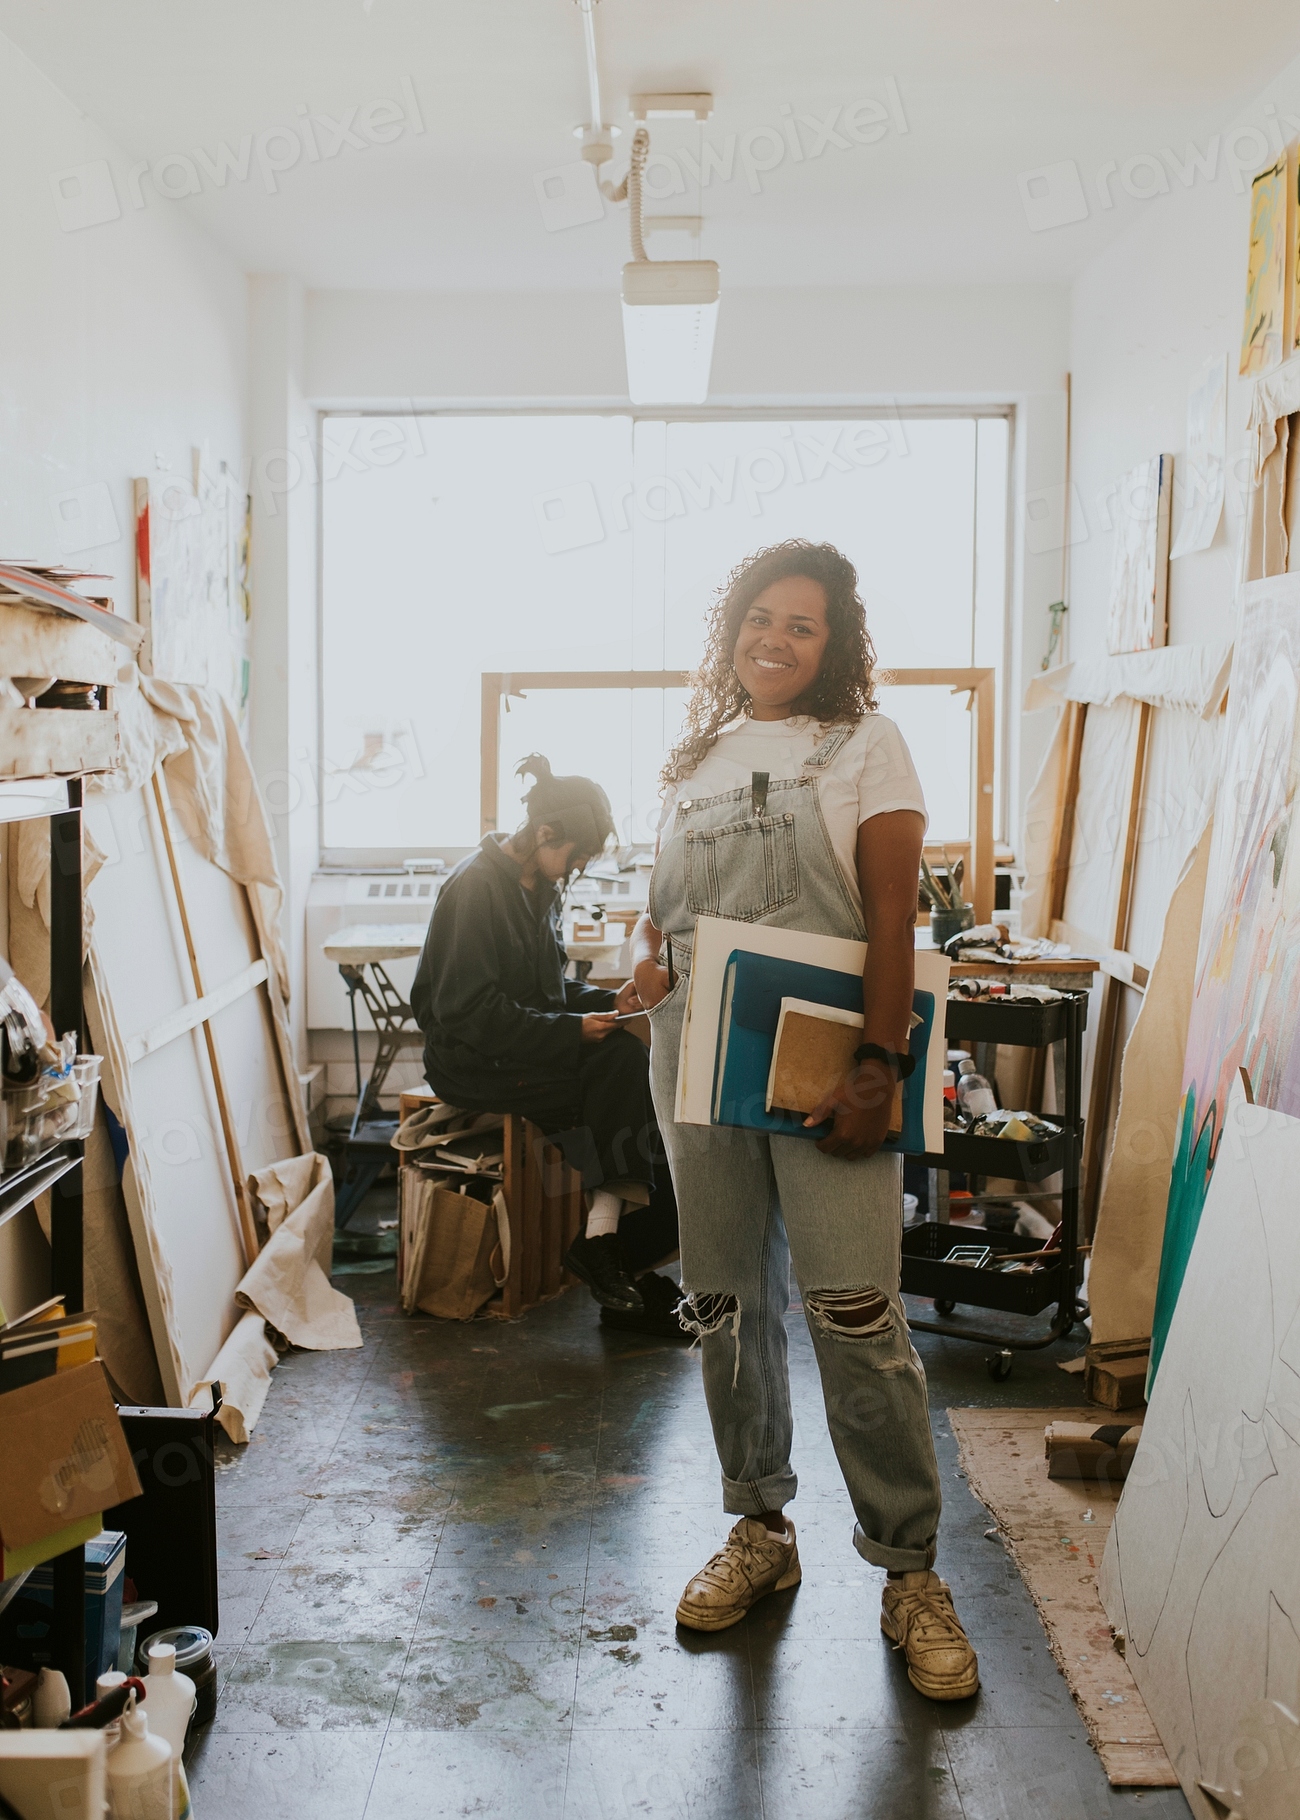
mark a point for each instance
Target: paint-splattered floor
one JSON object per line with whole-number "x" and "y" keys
{"x": 450, "y": 1563}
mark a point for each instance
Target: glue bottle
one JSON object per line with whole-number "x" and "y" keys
{"x": 170, "y": 1696}
{"x": 141, "y": 1776}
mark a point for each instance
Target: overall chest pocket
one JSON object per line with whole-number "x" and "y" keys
{"x": 746, "y": 870}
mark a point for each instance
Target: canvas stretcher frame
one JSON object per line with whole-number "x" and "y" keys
{"x": 168, "y": 1040}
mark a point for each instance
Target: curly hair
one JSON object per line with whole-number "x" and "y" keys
{"x": 845, "y": 686}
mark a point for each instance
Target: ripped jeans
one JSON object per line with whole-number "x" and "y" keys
{"x": 749, "y": 1206}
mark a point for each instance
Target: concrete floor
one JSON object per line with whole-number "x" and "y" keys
{"x": 449, "y": 1567}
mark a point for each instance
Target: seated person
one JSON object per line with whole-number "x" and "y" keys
{"x": 506, "y": 1032}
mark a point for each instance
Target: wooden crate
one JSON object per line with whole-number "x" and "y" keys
{"x": 545, "y": 1206}
{"x": 56, "y": 742}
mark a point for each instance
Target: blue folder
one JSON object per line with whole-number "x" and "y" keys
{"x": 752, "y": 992}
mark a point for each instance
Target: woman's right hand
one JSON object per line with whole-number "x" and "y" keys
{"x": 596, "y": 1026}
{"x": 651, "y": 983}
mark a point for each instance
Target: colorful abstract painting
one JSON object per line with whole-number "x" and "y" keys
{"x": 1246, "y": 999}
{"x": 1266, "y": 271}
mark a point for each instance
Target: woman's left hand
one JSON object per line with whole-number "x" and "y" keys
{"x": 628, "y": 998}
{"x": 860, "y": 1106}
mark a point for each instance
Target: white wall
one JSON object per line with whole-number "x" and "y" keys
{"x": 974, "y": 342}
{"x": 904, "y": 345}
{"x": 122, "y": 346}
{"x": 1146, "y": 315}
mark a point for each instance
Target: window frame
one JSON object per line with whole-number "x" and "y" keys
{"x": 998, "y": 725}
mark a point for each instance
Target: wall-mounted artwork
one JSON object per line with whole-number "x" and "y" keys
{"x": 1246, "y": 997}
{"x": 192, "y": 579}
{"x": 1139, "y": 576}
{"x": 1203, "y": 467}
{"x": 1201, "y": 1574}
{"x": 1266, "y": 330}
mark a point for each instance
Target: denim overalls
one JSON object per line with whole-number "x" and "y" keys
{"x": 749, "y": 1204}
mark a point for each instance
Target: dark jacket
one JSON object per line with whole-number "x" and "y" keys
{"x": 490, "y": 993}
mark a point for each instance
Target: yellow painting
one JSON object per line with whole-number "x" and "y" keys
{"x": 1262, "y": 331}
{"x": 1294, "y": 340}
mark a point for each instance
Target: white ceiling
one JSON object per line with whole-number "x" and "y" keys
{"x": 990, "y": 89}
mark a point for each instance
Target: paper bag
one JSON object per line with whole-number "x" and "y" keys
{"x": 454, "y": 1250}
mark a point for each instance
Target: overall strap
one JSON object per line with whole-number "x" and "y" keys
{"x": 826, "y": 748}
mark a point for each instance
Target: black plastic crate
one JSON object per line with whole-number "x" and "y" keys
{"x": 1000, "y": 1156}
{"x": 925, "y": 1272}
{"x": 1018, "y": 1022}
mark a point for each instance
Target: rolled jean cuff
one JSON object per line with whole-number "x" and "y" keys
{"x": 751, "y": 1497}
{"x": 894, "y": 1560}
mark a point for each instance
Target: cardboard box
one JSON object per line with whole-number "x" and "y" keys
{"x": 66, "y": 1458}
{"x": 54, "y": 1773}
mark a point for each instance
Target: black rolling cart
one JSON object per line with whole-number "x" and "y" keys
{"x": 60, "y": 1172}
{"x": 926, "y": 1244}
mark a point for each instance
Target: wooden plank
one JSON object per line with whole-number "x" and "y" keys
{"x": 575, "y": 1219}
{"x": 1101, "y": 1094}
{"x": 489, "y": 751}
{"x": 984, "y": 709}
{"x": 278, "y": 1013}
{"x": 190, "y": 1016}
{"x": 532, "y": 1215}
{"x": 1067, "y": 796}
{"x": 553, "y": 1191}
{"x": 1067, "y": 802}
{"x": 247, "y": 1225}
{"x": 513, "y": 1144}
{"x": 1117, "y": 962}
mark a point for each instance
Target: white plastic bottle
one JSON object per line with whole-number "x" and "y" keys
{"x": 141, "y": 1776}
{"x": 975, "y": 1096}
{"x": 169, "y": 1697}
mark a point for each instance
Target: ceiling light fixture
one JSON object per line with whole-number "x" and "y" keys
{"x": 670, "y": 311}
{"x": 670, "y": 306}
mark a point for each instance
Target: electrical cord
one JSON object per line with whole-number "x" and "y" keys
{"x": 630, "y": 191}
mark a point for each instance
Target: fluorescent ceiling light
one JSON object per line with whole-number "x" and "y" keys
{"x": 670, "y": 313}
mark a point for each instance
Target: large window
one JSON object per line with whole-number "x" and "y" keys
{"x": 454, "y": 546}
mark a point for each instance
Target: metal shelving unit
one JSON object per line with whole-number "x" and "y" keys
{"x": 60, "y": 1171}
{"x": 926, "y": 1243}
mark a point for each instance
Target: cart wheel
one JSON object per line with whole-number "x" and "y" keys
{"x": 999, "y": 1366}
{"x": 943, "y": 1306}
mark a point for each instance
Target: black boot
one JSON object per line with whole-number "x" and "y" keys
{"x": 599, "y": 1262}
{"x": 658, "y": 1315}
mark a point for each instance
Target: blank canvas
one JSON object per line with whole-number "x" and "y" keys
{"x": 1201, "y": 1572}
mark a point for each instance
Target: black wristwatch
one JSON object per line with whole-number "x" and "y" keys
{"x": 900, "y": 1065}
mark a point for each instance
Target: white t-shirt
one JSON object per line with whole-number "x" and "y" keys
{"x": 871, "y": 774}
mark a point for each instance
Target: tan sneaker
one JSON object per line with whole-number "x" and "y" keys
{"x": 751, "y": 1562}
{"x": 917, "y": 1615}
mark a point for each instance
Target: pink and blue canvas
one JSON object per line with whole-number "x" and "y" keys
{"x": 1247, "y": 992}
